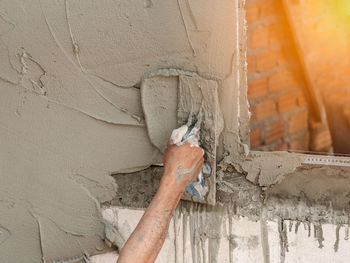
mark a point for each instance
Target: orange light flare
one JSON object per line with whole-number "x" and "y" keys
{"x": 330, "y": 20}
{"x": 324, "y": 28}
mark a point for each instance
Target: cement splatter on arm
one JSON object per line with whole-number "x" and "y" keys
{"x": 182, "y": 163}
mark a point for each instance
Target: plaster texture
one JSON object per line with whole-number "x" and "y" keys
{"x": 71, "y": 111}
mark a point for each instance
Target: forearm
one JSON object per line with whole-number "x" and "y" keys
{"x": 182, "y": 163}
{"x": 147, "y": 239}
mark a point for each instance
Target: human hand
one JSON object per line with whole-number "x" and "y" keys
{"x": 182, "y": 164}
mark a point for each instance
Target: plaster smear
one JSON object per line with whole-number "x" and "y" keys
{"x": 71, "y": 113}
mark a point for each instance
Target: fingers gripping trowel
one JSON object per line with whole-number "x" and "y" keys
{"x": 172, "y": 98}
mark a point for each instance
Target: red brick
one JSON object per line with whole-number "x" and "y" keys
{"x": 277, "y": 33}
{"x": 320, "y": 67}
{"x": 300, "y": 144}
{"x": 298, "y": 122}
{"x": 314, "y": 124}
{"x": 321, "y": 140}
{"x": 282, "y": 57}
{"x": 255, "y": 138}
{"x": 282, "y": 147}
{"x": 282, "y": 80}
{"x": 266, "y": 61}
{"x": 325, "y": 78}
{"x": 275, "y": 132}
{"x": 265, "y": 109}
{"x": 257, "y": 88}
{"x": 335, "y": 97}
{"x": 252, "y": 13}
{"x": 287, "y": 102}
{"x": 259, "y": 38}
{"x": 268, "y": 8}
{"x": 302, "y": 102}
{"x": 251, "y": 64}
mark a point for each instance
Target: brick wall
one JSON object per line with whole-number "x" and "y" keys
{"x": 276, "y": 86}
{"x": 322, "y": 33}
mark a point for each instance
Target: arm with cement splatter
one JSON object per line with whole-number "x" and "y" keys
{"x": 182, "y": 163}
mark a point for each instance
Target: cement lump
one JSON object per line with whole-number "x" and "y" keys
{"x": 269, "y": 168}
{"x": 321, "y": 184}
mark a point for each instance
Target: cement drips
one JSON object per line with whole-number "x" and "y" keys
{"x": 310, "y": 196}
{"x": 304, "y": 195}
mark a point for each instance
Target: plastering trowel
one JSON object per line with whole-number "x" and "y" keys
{"x": 173, "y": 98}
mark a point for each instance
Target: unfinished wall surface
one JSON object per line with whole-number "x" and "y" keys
{"x": 278, "y": 95}
{"x": 71, "y": 113}
{"x": 71, "y": 117}
{"x": 303, "y": 217}
{"x": 197, "y": 234}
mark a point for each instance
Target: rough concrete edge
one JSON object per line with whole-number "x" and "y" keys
{"x": 266, "y": 168}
